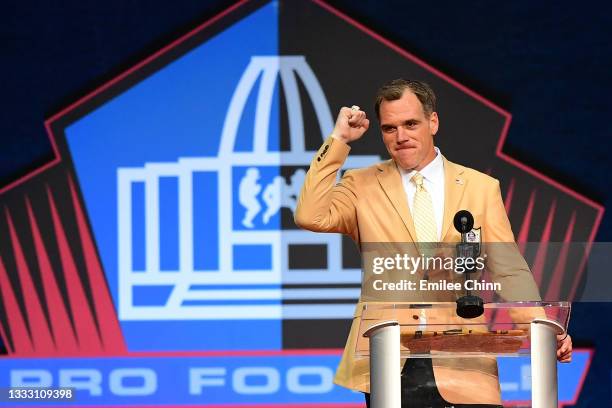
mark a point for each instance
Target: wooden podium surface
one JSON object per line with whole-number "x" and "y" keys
{"x": 434, "y": 329}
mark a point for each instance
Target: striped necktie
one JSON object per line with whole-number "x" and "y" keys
{"x": 423, "y": 213}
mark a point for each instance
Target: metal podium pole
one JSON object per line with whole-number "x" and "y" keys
{"x": 544, "y": 363}
{"x": 385, "y": 372}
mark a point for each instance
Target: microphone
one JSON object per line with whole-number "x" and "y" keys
{"x": 463, "y": 221}
{"x": 468, "y": 306}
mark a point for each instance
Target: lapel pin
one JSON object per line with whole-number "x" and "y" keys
{"x": 459, "y": 181}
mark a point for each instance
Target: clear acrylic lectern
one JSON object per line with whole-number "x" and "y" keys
{"x": 389, "y": 332}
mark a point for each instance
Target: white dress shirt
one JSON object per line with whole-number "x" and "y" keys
{"x": 433, "y": 181}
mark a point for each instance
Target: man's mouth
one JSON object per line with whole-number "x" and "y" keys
{"x": 405, "y": 147}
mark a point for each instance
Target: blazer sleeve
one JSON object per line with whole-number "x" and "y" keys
{"x": 323, "y": 205}
{"x": 504, "y": 260}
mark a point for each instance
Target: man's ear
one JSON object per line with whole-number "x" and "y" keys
{"x": 433, "y": 122}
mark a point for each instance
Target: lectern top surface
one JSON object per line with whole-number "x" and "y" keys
{"x": 435, "y": 330}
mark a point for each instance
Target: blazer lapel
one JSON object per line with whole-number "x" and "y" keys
{"x": 454, "y": 186}
{"x": 391, "y": 182}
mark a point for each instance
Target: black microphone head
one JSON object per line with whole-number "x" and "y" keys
{"x": 463, "y": 221}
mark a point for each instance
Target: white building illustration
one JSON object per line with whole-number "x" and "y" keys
{"x": 228, "y": 293}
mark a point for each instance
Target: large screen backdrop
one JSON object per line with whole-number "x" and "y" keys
{"x": 156, "y": 261}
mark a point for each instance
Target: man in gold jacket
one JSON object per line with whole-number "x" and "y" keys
{"x": 412, "y": 198}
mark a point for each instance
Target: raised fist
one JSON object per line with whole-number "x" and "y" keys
{"x": 351, "y": 124}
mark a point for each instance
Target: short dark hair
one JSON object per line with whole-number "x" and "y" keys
{"x": 392, "y": 91}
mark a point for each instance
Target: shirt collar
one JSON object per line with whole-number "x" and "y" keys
{"x": 433, "y": 172}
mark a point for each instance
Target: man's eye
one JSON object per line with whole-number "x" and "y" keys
{"x": 389, "y": 129}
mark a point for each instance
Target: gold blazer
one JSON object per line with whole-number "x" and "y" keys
{"x": 370, "y": 205}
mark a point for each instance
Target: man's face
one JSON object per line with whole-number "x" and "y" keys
{"x": 407, "y": 132}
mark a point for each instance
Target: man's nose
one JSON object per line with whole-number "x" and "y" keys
{"x": 402, "y": 135}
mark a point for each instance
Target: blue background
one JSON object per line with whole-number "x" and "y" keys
{"x": 172, "y": 374}
{"x": 176, "y": 112}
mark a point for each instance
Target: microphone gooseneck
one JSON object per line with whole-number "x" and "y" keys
{"x": 468, "y": 306}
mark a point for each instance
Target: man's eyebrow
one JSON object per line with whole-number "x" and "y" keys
{"x": 405, "y": 122}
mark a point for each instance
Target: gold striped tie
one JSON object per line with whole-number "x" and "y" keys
{"x": 423, "y": 217}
